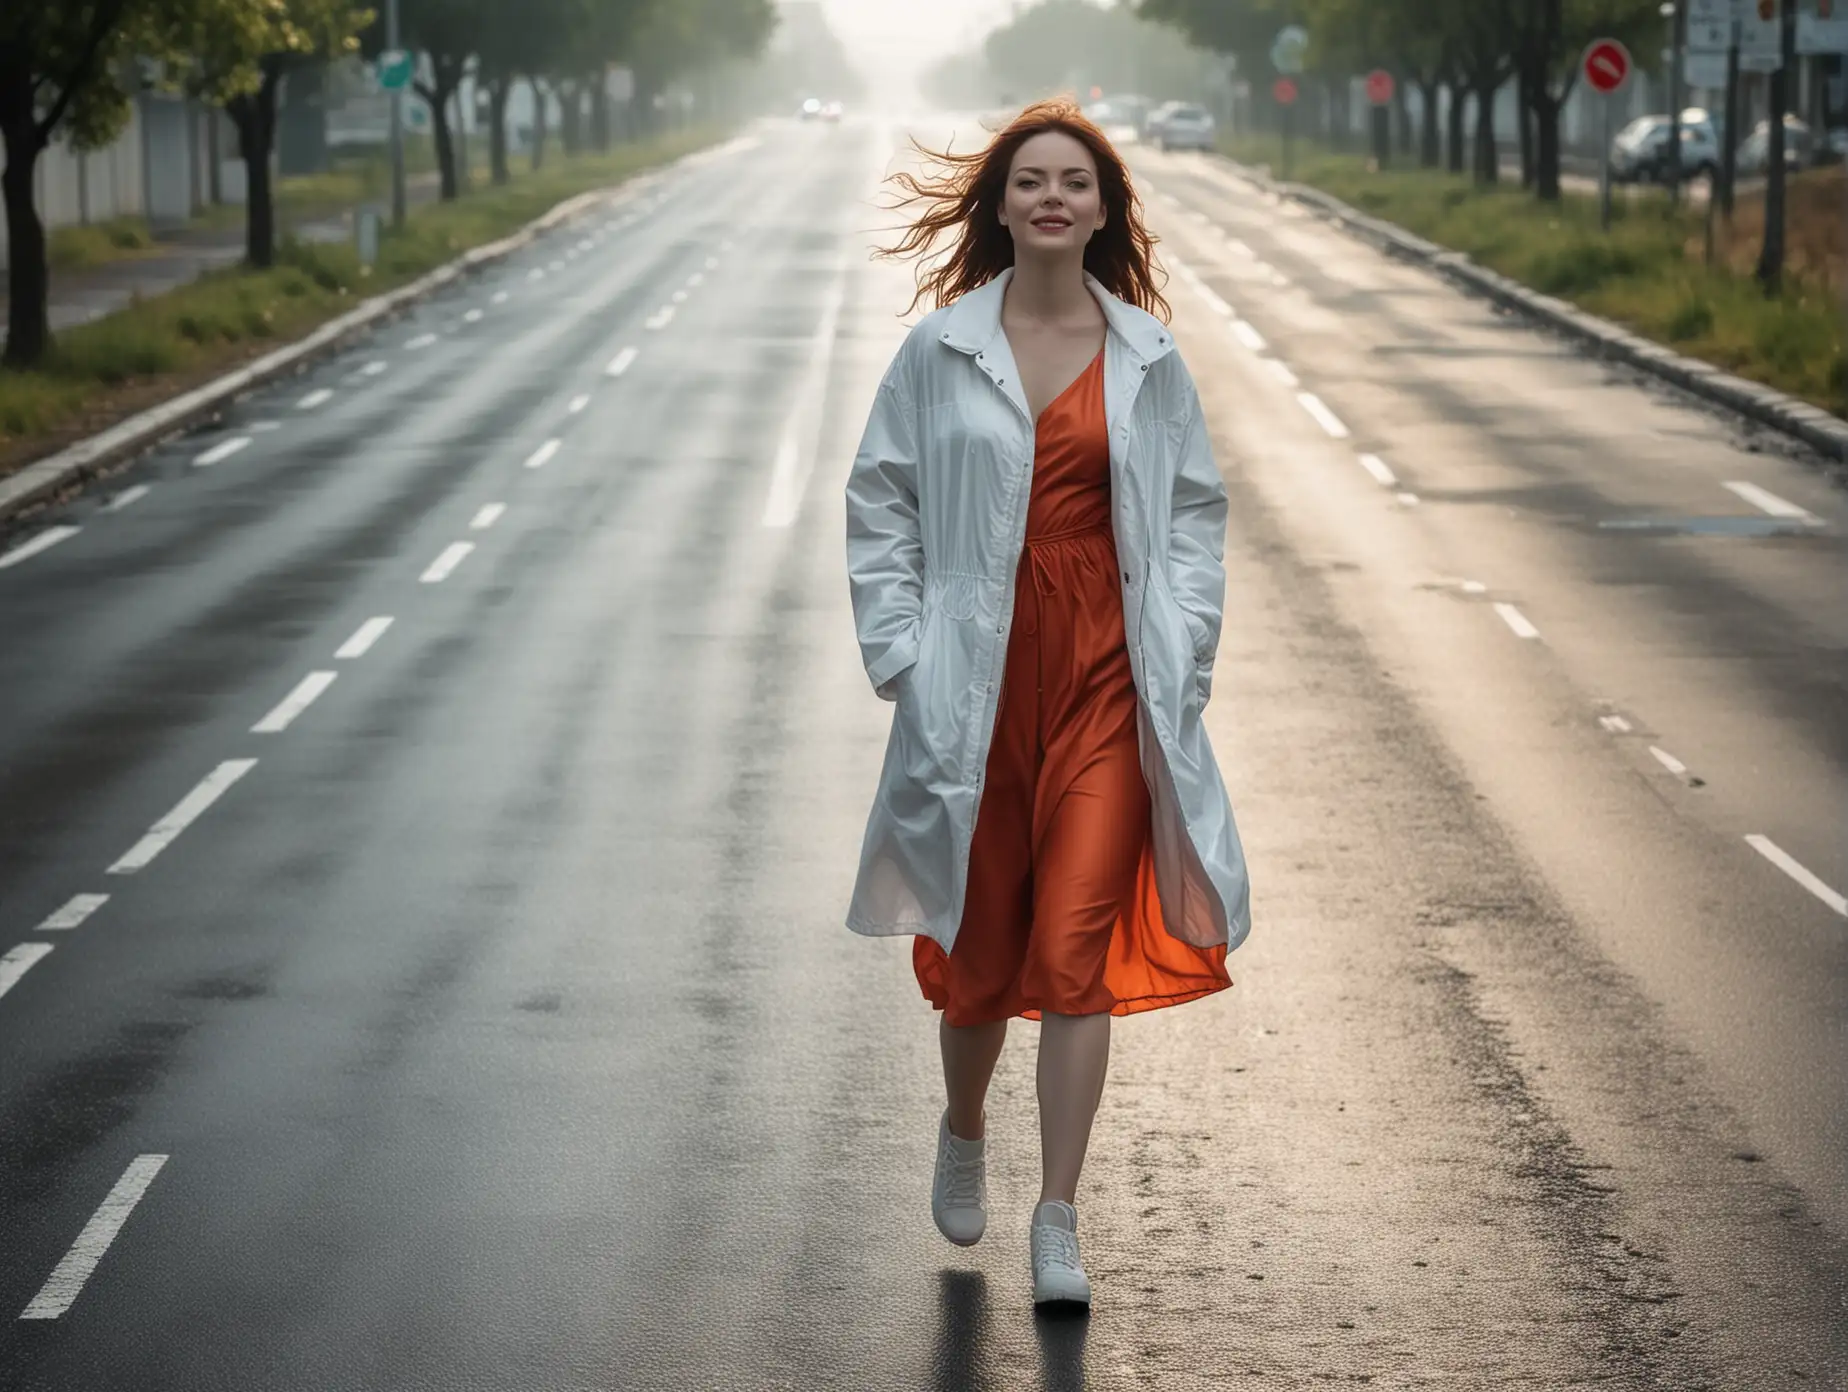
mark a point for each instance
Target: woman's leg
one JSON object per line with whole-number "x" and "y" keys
{"x": 969, "y": 1055}
{"x": 1074, "y": 1055}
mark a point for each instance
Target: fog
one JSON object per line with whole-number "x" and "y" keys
{"x": 893, "y": 40}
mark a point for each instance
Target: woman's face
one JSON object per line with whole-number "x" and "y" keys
{"x": 1052, "y": 204}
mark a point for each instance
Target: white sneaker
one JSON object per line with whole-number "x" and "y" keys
{"x": 960, "y": 1190}
{"x": 1058, "y": 1277}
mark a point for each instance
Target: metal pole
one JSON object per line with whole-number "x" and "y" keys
{"x": 1604, "y": 164}
{"x": 1676, "y": 96}
{"x": 397, "y": 122}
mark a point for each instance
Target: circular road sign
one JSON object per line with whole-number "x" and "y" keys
{"x": 1284, "y": 91}
{"x": 1380, "y": 87}
{"x": 1607, "y": 66}
{"x": 1290, "y": 50}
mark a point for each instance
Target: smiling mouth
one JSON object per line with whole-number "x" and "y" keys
{"x": 1051, "y": 224}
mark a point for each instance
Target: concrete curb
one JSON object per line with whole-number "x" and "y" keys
{"x": 45, "y": 477}
{"x": 1814, "y": 426}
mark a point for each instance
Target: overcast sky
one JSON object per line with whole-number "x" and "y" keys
{"x": 900, "y": 35}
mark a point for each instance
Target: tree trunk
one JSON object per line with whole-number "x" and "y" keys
{"x": 1546, "y": 145}
{"x": 28, "y": 283}
{"x": 1771, "y": 254}
{"x": 1488, "y": 158}
{"x": 254, "y": 115}
{"x": 1402, "y": 111}
{"x": 599, "y": 116}
{"x": 571, "y": 119}
{"x": 1430, "y": 137}
{"x": 542, "y": 117}
{"x": 1453, "y": 119}
{"x": 436, "y": 97}
{"x": 1525, "y": 106}
{"x": 499, "y": 89}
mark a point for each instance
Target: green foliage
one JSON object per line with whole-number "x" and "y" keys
{"x": 79, "y": 246}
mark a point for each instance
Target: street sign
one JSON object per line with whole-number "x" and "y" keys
{"x": 1380, "y": 87}
{"x": 394, "y": 69}
{"x": 1290, "y": 50}
{"x": 1761, "y": 41}
{"x": 1819, "y": 34}
{"x": 1284, "y": 91}
{"x": 1705, "y": 70}
{"x": 1607, "y": 66}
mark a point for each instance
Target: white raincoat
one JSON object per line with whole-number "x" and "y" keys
{"x": 936, "y": 519}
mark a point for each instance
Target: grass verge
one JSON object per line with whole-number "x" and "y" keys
{"x": 1649, "y": 272}
{"x": 100, "y": 372}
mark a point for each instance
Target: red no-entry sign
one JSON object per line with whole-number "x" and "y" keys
{"x": 1607, "y": 66}
{"x": 1380, "y": 87}
{"x": 1284, "y": 91}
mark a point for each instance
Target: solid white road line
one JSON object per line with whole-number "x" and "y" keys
{"x": 1249, "y": 336}
{"x": 1516, "y": 620}
{"x": 76, "y": 909}
{"x": 622, "y": 362}
{"x": 1669, "y": 762}
{"x": 1376, "y": 466}
{"x": 576, "y": 404}
{"x": 44, "y": 541}
{"x": 795, "y": 451}
{"x": 661, "y": 318}
{"x": 452, "y": 557}
{"x": 297, "y": 701}
{"x": 1616, "y": 724}
{"x": 1281, "y": 371}
{"x": 18, "y": 961}
{"x": 539, "y": 457}
{"x": 67, "y": 1280}
{"x": 185, "y": 812}
{"x": 1769, "y": 502}
{"x": 472, "y": 317}
{"x": 487, "y": 517}
{"x": 221, "y": 451}
{"x": 423, "y": 340}
{"x": 126, "y": 497}
{"x": 1324, "y": 417}
{"x": 1782, "y": 859}
{"x": 314, "y": 399}
{"x": 363, "y": 638}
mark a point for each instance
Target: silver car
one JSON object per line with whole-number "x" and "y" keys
{"x": 1640, "y": 150}
{"x": 1188, "y": 128}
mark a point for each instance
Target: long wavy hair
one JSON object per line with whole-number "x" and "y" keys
{"x": 961, "y": 197}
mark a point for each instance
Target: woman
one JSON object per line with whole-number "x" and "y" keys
{"x": 1035, "y": 533}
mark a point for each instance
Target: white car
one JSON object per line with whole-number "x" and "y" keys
{"x": 1640, "y": 150}
{"x": 1188, "y": 128}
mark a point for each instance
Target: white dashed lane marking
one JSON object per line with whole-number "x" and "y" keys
{"x": 622, "y": 362}
{"x": 221, "y": 451}
{"x": 66, "y": 1282}
{"x": 1376, "y": 466}
{"x": 374, "y": 368}
{"x": 188, "y": 810}
{"x": 1616, "y": 724}
{"x": 1249, "y": 336}
{"x": 127, "y": 497}
{"x": 1517, "y": 621}
{"x": 472, "y": 317}
{"x": 74, "y": 911}
{"x": 540, "y": 457}
{"x": 314, "y": 399}
{"x": 364, "y": 637}
{"x": 487, "y": 517}
{"x": 1319, "y": 412}
{"x": 306, "y": 692}
{"x": 441, "y": 568}
{"x": 1784, "y": 861}
{"x": 423, "y": 340}
{"x": 18, "y": 961}
{"x": 1768, "y": 502}
{"x": 577, "y": 404}
{"x": 44, "y": 541}
{"x": 1281, "y": 371}
{"x": 661, "y": 318}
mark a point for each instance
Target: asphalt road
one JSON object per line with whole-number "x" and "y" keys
{"x": 470, "y": 741}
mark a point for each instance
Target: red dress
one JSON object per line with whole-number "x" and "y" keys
{"x": 1061, "y": 912}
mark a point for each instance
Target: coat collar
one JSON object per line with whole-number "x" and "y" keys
{"x": 975, "y": 320}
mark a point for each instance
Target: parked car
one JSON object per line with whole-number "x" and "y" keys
{"x": 1754, "y": 157}
{"x": 1152, "y": 123}
{"x": 1188, "y": 128}
{"x": 1640, "y": 150}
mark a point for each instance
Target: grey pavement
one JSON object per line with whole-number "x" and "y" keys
{"x": 497, "y": 1027}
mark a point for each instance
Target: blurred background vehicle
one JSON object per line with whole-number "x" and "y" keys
{"x": 1188, "y": 128}
{"x": 832, "y": 111}
{"x": 1755, "y": 150}
{"x": 1152, "y": 121}
{"x": 810, "y": 109}
{"x": 1639, "y": 152}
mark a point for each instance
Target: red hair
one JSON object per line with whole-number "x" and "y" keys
{"x": 964, "y": 200}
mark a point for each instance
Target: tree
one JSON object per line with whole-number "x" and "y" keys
{"x": 238, "y": 53}
{"x": 1555, "y": 35}
{"x": 680, "y": 36}
{"x": 63, "y": 70}
{"x": 449, "y": 33}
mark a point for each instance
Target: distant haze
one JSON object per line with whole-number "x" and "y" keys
{"x": 892, "y": 40}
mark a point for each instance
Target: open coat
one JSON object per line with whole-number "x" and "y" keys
{"x": 936, "y": 519}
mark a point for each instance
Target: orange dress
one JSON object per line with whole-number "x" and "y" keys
{"x": 1061, "y": 912}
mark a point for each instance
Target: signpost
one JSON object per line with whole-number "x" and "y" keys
{"x": 1288, "y": 55}
{"x": 397, "y": 110}
{"x": 1606, "y": 66}
{"x": 1380, "y": 89}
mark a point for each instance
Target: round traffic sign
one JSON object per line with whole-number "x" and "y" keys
{"x": 1380, "y": 87}
{"x": 1290, "y": 49}
{"x": 1607, "y": 66}
{"x": 1284, "y": 91}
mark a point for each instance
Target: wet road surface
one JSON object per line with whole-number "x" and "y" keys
{"x": 428, "y": 801}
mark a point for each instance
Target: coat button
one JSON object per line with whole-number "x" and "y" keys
{"x": 1145, "y": 367}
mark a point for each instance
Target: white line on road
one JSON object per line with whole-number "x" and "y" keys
{"x": 373, "y": 368}
{"x": 535, "y": 274}
{"x": 18, "y": 961}
{"x": 1616, "y": 724}
{"x": 661, "y": 317}
{"x": 1324, "y": 417}
{"x": 1669, "y": 762}
{"x": 44, "y": 541}
{"x": 498, "y": 297}
{"x": 795, "y": 450}
{"x": 126, "y": 497}
{"x": 1281, "y": 371}
{"x": 314, "y": 399}
{"x": 557, "y": 264}
{"x": 423, "y": 340}
{"x": 262, "y": 427}
{"x": 1249, "y": 336}
{"x": 306, "y": 691}
{"x": 585, "y": 244}
{"x": 67, "y": 1280}
{"x": 189, "y": 808}
{"x": 221, "y": 451}
{"x": 1409, "y": 499}
{"x": 1769, "y": 502}
{"x": 1376, "y": 466}
{"x": 539, "y": 457}
{"x": 622, "y": 362}
{"x": 697, "y": 279}
{"x": 452, "y": 556}
{"x": 1242, "y": 248}
{"x": 1516, "y": 620}
{"x": 680, "y": 297}
{"x": 363, "y": 638}
{"x": 472, "y": 317}
{"x": 1474, "y": 587}
{"x": 712, "y": 263}
{"x": 1783, "y": 860}
{"x": 76, "y": 909}
{"x": 490, "y": 514}
{"x": 577, "y": 403}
